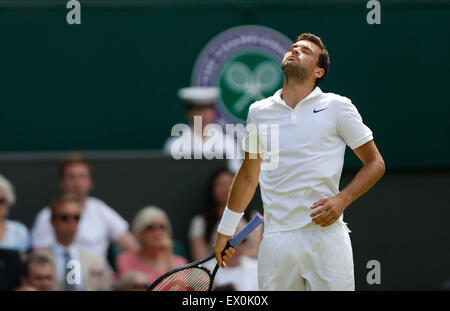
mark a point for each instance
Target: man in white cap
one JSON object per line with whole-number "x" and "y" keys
{"x": 204, "y": 139}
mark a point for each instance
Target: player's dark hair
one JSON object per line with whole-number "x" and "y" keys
{"x": 324, "y": 57}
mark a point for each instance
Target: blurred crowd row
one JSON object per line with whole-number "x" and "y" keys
{"x": 78, "y": 242}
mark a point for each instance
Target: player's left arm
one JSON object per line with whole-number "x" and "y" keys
{"x": 372, "y": 170}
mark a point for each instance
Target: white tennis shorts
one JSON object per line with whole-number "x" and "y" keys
{"x": 311, "y": 258}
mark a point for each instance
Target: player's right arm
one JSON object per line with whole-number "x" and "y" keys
{"x": 242, "y": 190}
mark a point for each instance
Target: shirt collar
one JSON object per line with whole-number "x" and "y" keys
{"x": 60, "y": 249}
{"x": 277, "y": 96}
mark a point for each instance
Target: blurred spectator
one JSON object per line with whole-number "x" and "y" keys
{"x": 99, "y": 225}
{"x": 203, "y": 227}
{"x": 38, "y": 273}
{"x": 133, "y": 281}
{"x": 86, "y": 270}
{"x": 152, "y": 228}
{"x": 13, "y": 234}
{"x": 241, "y": 273}
{"x": 200, "y": 103}
{"x": 10, "y": 265}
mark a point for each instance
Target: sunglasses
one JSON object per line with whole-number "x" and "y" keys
{"x": 3, "y": 201}
{"x": 156, "y": 226}
{"x": 66, "y": 218}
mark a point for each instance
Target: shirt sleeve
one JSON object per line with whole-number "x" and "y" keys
{"x": 251, "y": 142}
{"x": 351, "y": 128}
{"x": 42, "y": 234}
{"x": 116, "y": 225}
{"x": 23, "y": 238}
{"x": 197, "y": 228}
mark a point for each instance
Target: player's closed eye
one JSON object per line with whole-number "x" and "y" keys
{"x": 306, "y": 50}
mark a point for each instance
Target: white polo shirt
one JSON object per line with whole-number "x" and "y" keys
{"x": 312, "y": 141}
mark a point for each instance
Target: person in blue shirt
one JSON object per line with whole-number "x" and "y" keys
{"x": 14, "y": 235}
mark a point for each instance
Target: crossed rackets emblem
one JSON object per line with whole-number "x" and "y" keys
{"x": 252, "y": 84}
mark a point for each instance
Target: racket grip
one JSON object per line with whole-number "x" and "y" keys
{"x": 241, "y": 235}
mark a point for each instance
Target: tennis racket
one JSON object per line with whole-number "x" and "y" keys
{"x": 199, "y": 275}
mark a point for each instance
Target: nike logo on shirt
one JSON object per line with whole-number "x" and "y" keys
{"x": 316, "y": 111}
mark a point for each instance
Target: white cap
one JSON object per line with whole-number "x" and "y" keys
{"x": 199, "y": 95}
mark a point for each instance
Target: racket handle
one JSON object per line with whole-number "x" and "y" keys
{"x": 241, "y": 235}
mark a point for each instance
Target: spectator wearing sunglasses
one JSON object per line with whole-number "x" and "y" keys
{"x": 152, "y": 228}
{"x": 13, "y": 234}
{"x": 76, "y": 268}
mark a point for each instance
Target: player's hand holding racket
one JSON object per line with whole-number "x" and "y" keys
{"x": 221, "y": 251}
{"x": 199, "y": 275}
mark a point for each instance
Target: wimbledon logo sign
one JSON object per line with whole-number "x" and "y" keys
{"x": 244, "y": 62}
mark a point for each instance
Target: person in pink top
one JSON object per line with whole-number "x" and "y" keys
{"x": 152, "y": 228}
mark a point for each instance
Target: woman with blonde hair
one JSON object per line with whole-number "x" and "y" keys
{"x": 14, "y": 235}
{"x": 152, "y": 228}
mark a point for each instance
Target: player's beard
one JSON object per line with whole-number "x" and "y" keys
{"x": 294, "y": 72}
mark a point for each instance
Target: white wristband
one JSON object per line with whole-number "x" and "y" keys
{"x": 229, "y": 222}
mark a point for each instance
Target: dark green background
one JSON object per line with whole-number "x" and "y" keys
{"x": 110, "y": 83}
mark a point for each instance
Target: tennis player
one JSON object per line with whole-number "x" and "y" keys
{"x": 306, "y": 244}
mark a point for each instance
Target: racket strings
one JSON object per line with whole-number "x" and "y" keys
{"x": 189, "y": 279}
